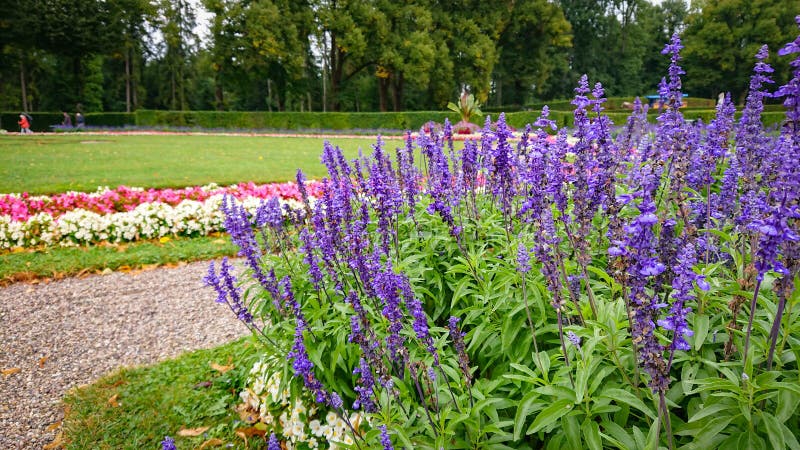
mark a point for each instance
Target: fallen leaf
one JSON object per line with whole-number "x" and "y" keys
{"x": 164, "y": 239}
{"x": 251, "y": 431}
{"x": 122, "y": 248}
{"x": 113, "y": 401}
{"x": 42, "y": 361}
{"x": 53, "y": 427}
{"x": 124, "y": 268}
{"x": 218, "y": 241}
{"x": 17, "y": 250}
{"x": 211, "y": 443}
{"x": 107, "y": 271}
{"x": 203, "y": 384}
{"x": 244, "y": 438}
{"x": 246, "y": 414}
{"x": 192, "y": 432}
{"x": 149, "y": 266}
{"x": 11, "y": 371}
{"x": 58, "y": 442}
{"x": 221, "y": 369}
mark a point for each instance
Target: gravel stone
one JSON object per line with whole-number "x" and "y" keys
{"x": 67, "y": 333}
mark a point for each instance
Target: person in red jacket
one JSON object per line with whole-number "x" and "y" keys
{"x": 24, "y": 125}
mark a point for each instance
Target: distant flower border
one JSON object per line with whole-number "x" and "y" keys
{"x": 129, "y": 214}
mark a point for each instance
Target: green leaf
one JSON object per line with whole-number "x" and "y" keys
{"x": 571, "y": 430}
{"x": 653, "y": 436}
{"x": 788, "y": 436}
{"x": 774, "y": 431}
{"x": 591, "y": 432}
{"x": 701, "y": 324}
{"x": 787, "y": 404}
{"x": 710, "y": 410}
{"x": 525, "y": 408}
{"x": 628, "y": 398}
{"x": 618, "y": 433}
{"x": 550, "y": 415}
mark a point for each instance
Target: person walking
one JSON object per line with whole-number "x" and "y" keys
{"x": 67, "y": 122}
{"x": 24, "y": 124}
{"x": 79, "y": 120}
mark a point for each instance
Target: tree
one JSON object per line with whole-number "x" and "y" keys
{"x": 406, "y": 50}
{"x": 177, "y": 25}
{"x": 722, "y": 39}
{"x": 525, "y": 64}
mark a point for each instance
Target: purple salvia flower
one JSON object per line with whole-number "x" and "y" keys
{"x": 407, "y": 174}
{"x": 273, "y": 443}
{"x": 574, "y": 339}
{"x": 301, "y": 364}
{"x": 644, "y": 265}
{"x": 237, "y": 224}
{"x": 301, "y": 187}
{"x": 168, "y": 443}
{"x": 386, "y": 441}
{"x": 791, "y": 90}
{"x": 386, "y": 287}
{"x": 457, "y": 336}
{"x": 502, "y": 180}
{"x": 269, "y": 214}
{"x": 234, "y": 293}
{"x": 227, "y": 291}
{"x": 682, "y": 292}
{"x": 420, "y": 324}
{"x": 630, "y": 138}
{"x": 310, "y": 258}
{"x": 365, "y": 389}
{"x": 523, "y": 259}
{"x": 752, "y": 143}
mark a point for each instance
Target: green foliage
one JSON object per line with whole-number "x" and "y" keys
{"x": 467, "y": 107}
{"x": 160, "y": 400}
{"x": 59, "y": 262}
{"x": 722, "y": 39}
{"x": 400, "y": 121}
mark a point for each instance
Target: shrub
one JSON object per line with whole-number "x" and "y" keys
{"x": 626, "y": 291}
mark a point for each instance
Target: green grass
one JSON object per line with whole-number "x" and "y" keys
{"x": 45, "y": 164}
{"x": 57, "y": 262}
{"x": 156, "y": 401}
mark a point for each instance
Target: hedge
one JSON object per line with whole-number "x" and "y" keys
{"x": 44, "y": 121}
{"x": 368, "y": 122}
{"x": 291, "y": 120}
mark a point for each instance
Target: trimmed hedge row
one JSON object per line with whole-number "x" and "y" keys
{"x": 45, "y": 121}
{"x": 291, "y": 120}
{"x": 232, "y": 120}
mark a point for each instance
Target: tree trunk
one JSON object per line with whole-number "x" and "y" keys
{"x": 383, "y": 93}
{"x": 22, "y": 83}
{"x": 498, "y": 91}
{"x": 127, "y": 80}
{"x": 269, "y": 95}
{"x": 337, "y": 69}
{"x": 308, "y": 95}
{"x": 397, "y": 97}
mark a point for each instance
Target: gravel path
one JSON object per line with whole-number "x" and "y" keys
{"x": 70, "y": 332}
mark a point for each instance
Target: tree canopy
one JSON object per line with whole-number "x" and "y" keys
{"x": 375, "y": 55}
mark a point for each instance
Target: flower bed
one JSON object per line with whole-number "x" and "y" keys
{"x": 641, "y": 299}
{"x": 128, "y": 214}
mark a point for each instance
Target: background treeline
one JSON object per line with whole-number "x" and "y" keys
{"x": 368, "y": 55}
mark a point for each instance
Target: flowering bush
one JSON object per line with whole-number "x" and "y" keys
{"x": 631, "y": 290}
{"x": 143, "y": 221}
{"x": 21, "y": 207}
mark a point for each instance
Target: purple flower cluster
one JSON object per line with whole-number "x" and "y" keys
{"x": 228, "y": 292}
{"x": 168, "y": 443}
{"x": 457, "y": 336}
{"x": 682, "y": 293}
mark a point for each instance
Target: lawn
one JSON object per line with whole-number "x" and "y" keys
{"x": 45, "y": 164}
